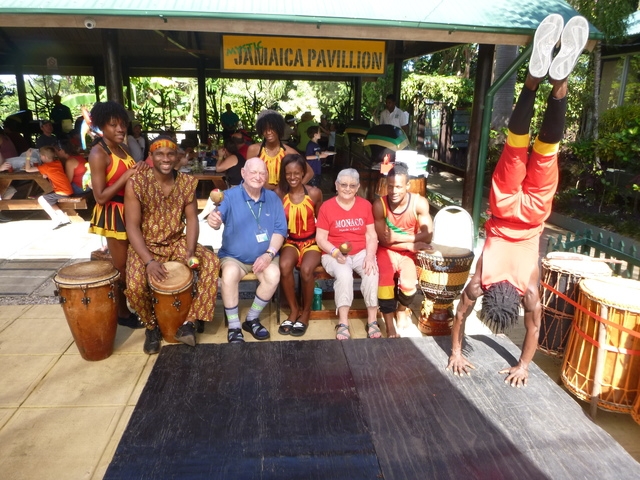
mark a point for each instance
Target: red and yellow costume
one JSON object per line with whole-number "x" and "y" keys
{"x": 163, "y": 231}
{"x": 391, "y": 260}
{"x": 522, "y": 191}
{"x": 108, "y": 219}
{"x": 301, "y": 225}
{"x": 272, "y": 163}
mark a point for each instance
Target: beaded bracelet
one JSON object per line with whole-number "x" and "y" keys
{"x": 147, "y": 264}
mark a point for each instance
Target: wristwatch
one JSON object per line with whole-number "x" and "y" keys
{"x": 270, "y": 253}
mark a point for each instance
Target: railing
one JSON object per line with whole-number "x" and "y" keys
{"x": 628, "y": 264}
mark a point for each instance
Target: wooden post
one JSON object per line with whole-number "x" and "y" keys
{"x": 202, "y": 102}
{"x": 112, "y": 67}
{"x": 357, "y": 98}
{"x": 600, "y": 358}
{"x": 482, "y": 84}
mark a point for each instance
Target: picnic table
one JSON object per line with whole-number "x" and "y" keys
{"x": 69, "y": 205}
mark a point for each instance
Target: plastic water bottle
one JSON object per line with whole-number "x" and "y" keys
{"x": 317, "y": 299}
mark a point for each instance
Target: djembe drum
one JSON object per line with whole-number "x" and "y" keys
{"x": 563, "y": 271}
{"x": 89, "y": 302}
{"x": 442, "y": 274}
{"x": 602, "y": 361}
{"x": 172, "y": 299}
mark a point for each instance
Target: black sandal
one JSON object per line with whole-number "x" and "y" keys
{"x": 299, "y": 329}
{"x": 255, "y": 328}
{"x": 285, "y": 327}
{"x": 234, "y": 335}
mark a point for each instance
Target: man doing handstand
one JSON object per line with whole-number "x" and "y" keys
{"x": 523, "y": 186}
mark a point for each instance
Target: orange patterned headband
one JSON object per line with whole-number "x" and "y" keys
{"x": 164, "y": 143}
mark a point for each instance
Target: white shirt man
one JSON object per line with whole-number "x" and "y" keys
{"x": 392, "y": 115}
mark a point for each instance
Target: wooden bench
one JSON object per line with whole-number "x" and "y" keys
{"x": 325, "y": 314}
{"x": 70, "y": 205}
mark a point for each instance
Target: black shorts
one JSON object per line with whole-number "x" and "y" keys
{"x": 53, "y": 197}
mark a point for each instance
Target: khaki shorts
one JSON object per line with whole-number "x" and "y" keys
{"x": 245, "y": 267}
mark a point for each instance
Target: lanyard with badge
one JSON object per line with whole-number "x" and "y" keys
{"x": 261, "y": 233}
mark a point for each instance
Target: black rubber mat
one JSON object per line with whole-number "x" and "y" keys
{"x": 358, "y": 409}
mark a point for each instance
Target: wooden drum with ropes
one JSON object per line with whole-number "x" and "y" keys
{"x": 563, "y": 271}
{"x": 602, "y": 361}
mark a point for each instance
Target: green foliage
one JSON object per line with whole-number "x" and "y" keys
{"x": 456, "y": 62}
{"x": 608, "y": 16}
{"x": 453, "y": 92}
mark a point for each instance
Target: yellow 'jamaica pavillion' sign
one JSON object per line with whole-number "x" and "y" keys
{"x": 293, "y": 54}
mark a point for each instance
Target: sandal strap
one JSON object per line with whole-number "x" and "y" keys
{"x": 256, "y": 326}
{"x": 287, "y": 323}
{"x": 234, "y": 335}
{"x": 373, "y": 324}
{"x": 299, "y": 324}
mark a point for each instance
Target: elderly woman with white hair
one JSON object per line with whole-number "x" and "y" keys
{"x": 346, "y": 234}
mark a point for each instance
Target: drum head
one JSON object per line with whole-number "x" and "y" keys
{"x": 178, "y": 278}
{"x": 444, "y": 251}
{"x": 621, "y": 293}
{"x": 573, "y": 263}
{"x": 84, "y": 273}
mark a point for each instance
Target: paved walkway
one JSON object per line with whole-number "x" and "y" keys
{"x": 61, "y": 416}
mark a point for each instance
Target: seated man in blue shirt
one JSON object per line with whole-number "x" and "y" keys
{"x": 254, "y": 231}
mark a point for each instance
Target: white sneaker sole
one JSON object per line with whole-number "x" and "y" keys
{"x": 544, "y": 41}
{"x": 574, "y": 38}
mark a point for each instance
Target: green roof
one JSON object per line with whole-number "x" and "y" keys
{"x": 467, "y": 15}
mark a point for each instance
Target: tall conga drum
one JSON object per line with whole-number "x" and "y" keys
{"x": 442, "y": 274}
{"x": 563, "y": 272}
{"x": 603, "y": 362}
{"x": 87, "y": 293}
{"x": 172, "y": 299}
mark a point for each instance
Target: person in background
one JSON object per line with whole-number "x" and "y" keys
{"x": 313, "y": 155}
{"x": 111, "y": 166}
{"x": 162, "y": 226}
{"x": 229, "y": 121}
{"x": 75, "y": 166}
{"x": 11, "y": 129}
{"x": 52, "y": 169}
{"x": 47, "y": 137}
{"x": 392, "y": 115}
{"x": 301, "y": 204}
{"x": 61, "y": 117}
{"x": 137, "y": 142}
{"x": 306, "y": 121}
{"x": 331, "y": 146}
{"x": 347, "y": 221}
{"x": 231, "y": 161}
{"x": 290, "y": 130}
{"x": 254, "y": 231}
{"x": 324, "y": 132}
{"x": 271, "y": 151}
{"x": 7, "y": 148}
